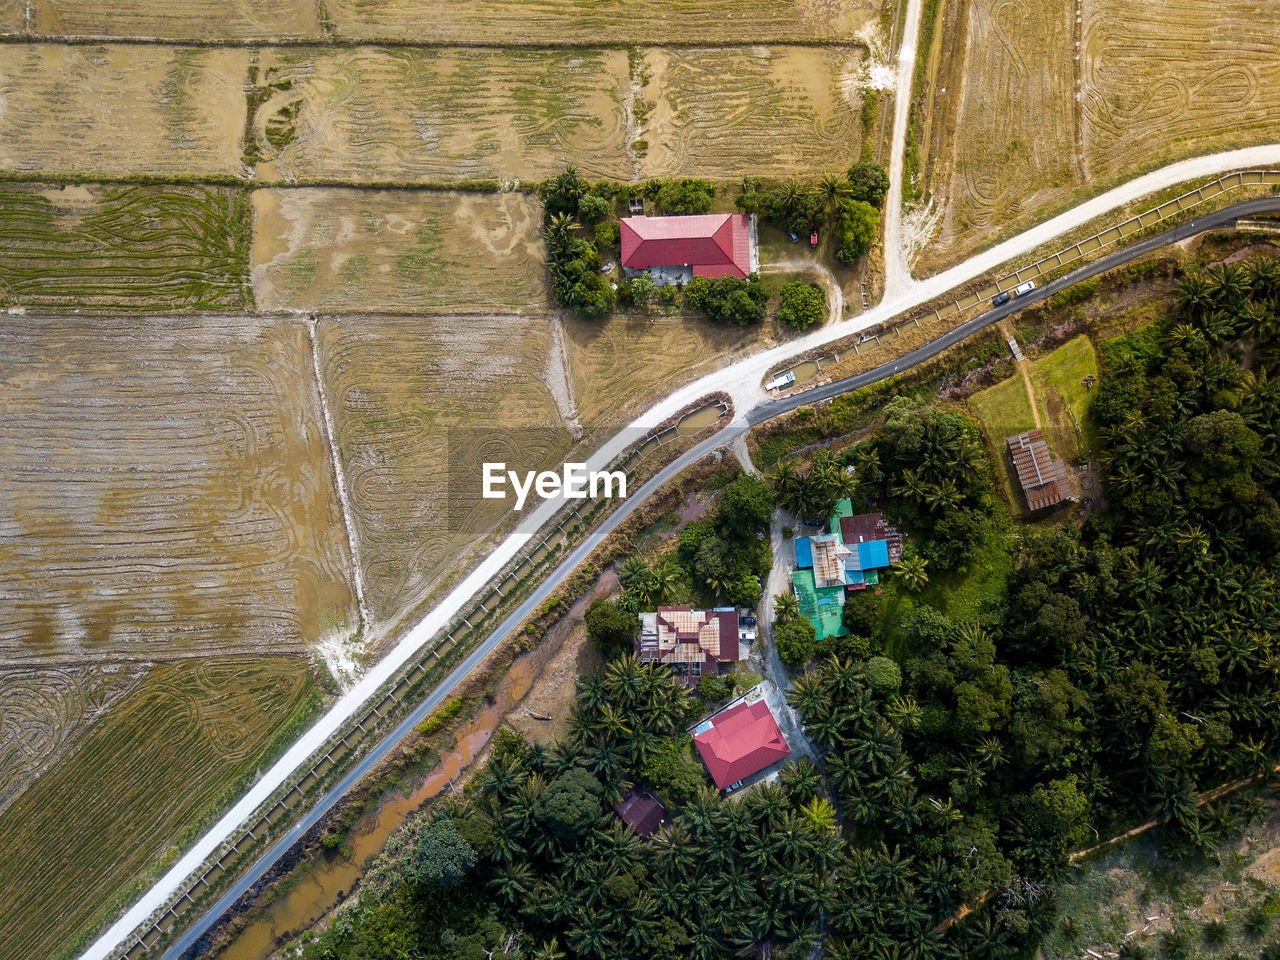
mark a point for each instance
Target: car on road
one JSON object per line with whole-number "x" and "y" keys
{"x": 1024, "y": 288}
{"x": 793, "y": 236}
{"x": 813, "y": 238}
{"x": 1001, "y": 298}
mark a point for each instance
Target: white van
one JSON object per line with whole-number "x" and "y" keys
{"x": 1022, "y": 288}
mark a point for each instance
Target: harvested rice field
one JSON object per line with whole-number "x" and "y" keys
{"x": 189, "y": 20}
{"x": 415, "y": 400}
{"x": 165, "y": 491}
{"x": 13, "y": 16}
{"x": 129, "y": 760}
{"x": 619, "y": 364}
{"x": 124, "y": 247}
{"x": 396, "y": 251}
{"x": 112, "y": 110}
{"x": 1060, "y": 101}
{"x": 764, "y": 111}
{"x": 369, "y": 114}
{"x": 602, "y": 21}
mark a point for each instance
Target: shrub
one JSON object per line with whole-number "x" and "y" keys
{"x": 883, "y": 676}
{"x": 855, "y": 230}
{"x": 794, "y": 640}
{"x": 728, "y": 299}
{"x": 685, "y": 196}
{"x": 803, "y": 305}
{"x": 611, "y": 629}
{"x": 592, "y": 207}
{"x": 713, "y": 689}
{"x": 562, "y": 193}
{"x": 608, "y": 234}
{"x": 868, "y": 182}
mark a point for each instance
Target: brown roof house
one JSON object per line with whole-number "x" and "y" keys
{"x": 691, "y": 642}
{"x": 641, "y": 811}
{"x": 1043, "y": 479}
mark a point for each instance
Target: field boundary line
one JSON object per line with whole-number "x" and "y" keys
{"x": 339, "y": 478}
{"x": 405, "y": 43}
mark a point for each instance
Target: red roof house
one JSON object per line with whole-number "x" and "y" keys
{"x": 739, "y": 742}
{"x": 713, "y": 244}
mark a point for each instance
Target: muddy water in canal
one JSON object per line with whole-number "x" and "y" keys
{"x": 329, "y": 877}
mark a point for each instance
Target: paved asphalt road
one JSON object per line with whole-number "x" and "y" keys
{"x": 762, "y": 412}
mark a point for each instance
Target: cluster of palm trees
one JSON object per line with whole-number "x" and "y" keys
{"x": 646, "y": 585}
{"x": 910, "y": 862}
{"x": 717, "y": 878}
{"x": 812, "y": 495}
{"x": 574, "y": 266}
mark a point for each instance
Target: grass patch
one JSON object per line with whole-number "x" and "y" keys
{"x": 1059, "y": 381}
{"x": 124, "y": 247}
{"x": 162, "y": 762}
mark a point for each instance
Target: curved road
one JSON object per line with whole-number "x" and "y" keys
{"x": 763, "y": 411}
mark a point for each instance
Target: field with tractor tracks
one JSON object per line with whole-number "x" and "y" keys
{"x": 419, "y": 403}
{"x": 336, "y": 250}
{"x": 106, "y": 766}
{"x": 602, "y": 21}
{"x": 165, "y": 491}
{"x": 1058, "y": 102}
{"x": 370, "y": 114}
{"x": 763, "y": 111}
{"x": 111, "y": 110}
{"x": 190, "y": 20}
{"x": 124, "y": 247}
{"x": 619, "y": 364}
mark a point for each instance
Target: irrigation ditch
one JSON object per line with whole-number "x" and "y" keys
{"x": 388, "y": 710}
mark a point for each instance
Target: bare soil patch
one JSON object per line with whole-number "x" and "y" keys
{"x": 121, "y": 109}
{"x": 389, "y": 251}
{"x": 444, "y": 114}
{"x": 165, "y": 490}
{"x": 413, "y": 398}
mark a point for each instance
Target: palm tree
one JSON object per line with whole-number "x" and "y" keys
{"x": 911, "y": 570}
{"x": 549, "y": 950}
{"x": 632, "y": 569}
{"x": 786, "y": 607}
{"x": 819, "y": 814}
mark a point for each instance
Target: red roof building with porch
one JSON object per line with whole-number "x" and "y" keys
{"x": 712, "y": 245}
{"x": 739, "y": 742}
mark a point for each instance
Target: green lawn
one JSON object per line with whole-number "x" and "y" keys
{"x": 1063, "y": 398}
{"x": 1063, "y": 402}
{"x": 960, "y": 595}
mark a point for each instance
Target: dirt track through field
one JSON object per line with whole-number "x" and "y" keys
{"x": 414, "y": 399}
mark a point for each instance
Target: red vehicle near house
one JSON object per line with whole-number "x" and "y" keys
{"x": 813, "y": 238}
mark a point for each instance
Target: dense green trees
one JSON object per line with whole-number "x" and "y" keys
{"x": 850, "y": 203}
{"x": 556, "y": 872}
{"x": 802, "y": 306}
{"x": 812, "y": 495}
{"x": 728, "y": 300}
{"x": 611, "y": 628}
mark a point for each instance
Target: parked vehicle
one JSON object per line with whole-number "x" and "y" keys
{"x": 1023, "y": 288}
{"x": 793, "y": 236}
{"x": 813, "y": 238}
{"x": 1001, "y": 298}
